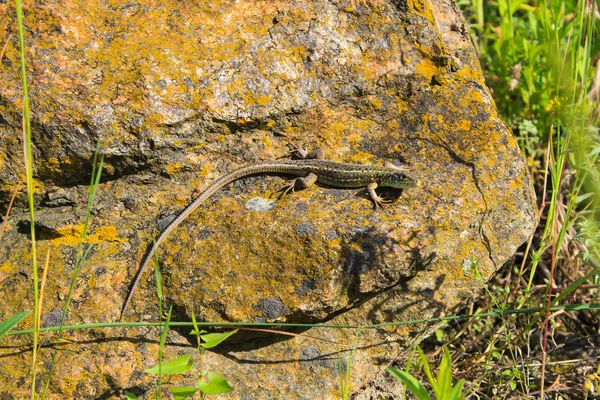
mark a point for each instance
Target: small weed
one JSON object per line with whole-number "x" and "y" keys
{"x": 11, "y": 322}
{"x": 209, "y": 383}
{"x": 344, "y": 368}
{"x": 441, "y": 383}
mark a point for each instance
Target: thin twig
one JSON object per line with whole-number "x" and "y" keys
{"x": 12, "y": 199}
{"x": 4, "y": 47}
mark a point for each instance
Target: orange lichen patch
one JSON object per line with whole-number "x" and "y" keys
{"x": 471, "y": 99}
{"x": 264, "y": 100}
{"x": 401, "y": 106}
{"x": 350, "y": 130}
{"x": 375, "y": 102}
{"x": 179, "y": 201}
{"x": 463, "y": 124}
{"x": 54, "y": 165}
{"x": 393, "y": 126}
{"x": 422, "y": 8}
{"x": 7, "y": 269}
{"x": 70, "y": 235}
{"x": 205, "y": 170}
{"x": 174, "y": 167}
{"x": 361, "y": 158}
{"x": 427, "y": 68}
{"x": 268, "y": 143}
{"x": 467, "y": 74}
{"x": 106, "y": 233}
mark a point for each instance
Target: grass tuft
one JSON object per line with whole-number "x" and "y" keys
{"x": 29, "y": 181}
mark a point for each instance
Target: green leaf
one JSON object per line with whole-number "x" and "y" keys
{"x": 216, "y": 384}
{"x": 179, "y": 365}
{"x": 456, "y": 393}
{"x": 197, "y": 332}
{"x": 410, "y": 382}
{"x": 130, "y": 396}
{"x": 158, "y": 277}
{"x": 11, "y": 322}
{"x": 183, "y": 392}
{"x": 427, "y": 369}
{"x": 444, "y": 376}
{"x": 583, "y": 197}
{"x": 213, "y": 339}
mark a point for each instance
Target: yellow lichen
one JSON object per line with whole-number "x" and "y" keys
{"x": 427, "y": 68}
{"x": 264, "y": 100}
{"x": 422, "y": 8}
{"x": 463, "y": 124}
{"x": 361, "y": 157}
{"x": 174, "y": 167}
{"x": 205, "y": 170}
{"x": 375, "y": 102}
{"x": 401, "y": 106}
{"x": 70, "y": 235}
{"x": 106, "y": 233}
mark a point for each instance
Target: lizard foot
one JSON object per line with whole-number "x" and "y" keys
{"x": 381, "y": 202}
{"x": 302, "y": 154}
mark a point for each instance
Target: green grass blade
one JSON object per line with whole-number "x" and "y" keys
{"x": 456, "y": 392}
{"x": 29, "y": 178}
{"x": 158, "y": 279}
{"x": 11, "y": 322}
{"x": 130, "y": 396}
{"x": 415, "y": 387}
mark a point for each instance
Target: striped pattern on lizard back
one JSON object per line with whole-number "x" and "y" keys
{"x": 330, "y": 173}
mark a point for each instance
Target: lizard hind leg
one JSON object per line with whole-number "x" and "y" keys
{"x": 295, "y": 151}
{"x": 398, "y": 167}
{"x": 298, "y": 183}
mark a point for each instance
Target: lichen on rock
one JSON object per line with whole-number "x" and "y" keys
{"x": 180, "y": 94}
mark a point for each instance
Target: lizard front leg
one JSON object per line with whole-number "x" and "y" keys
{"x": 377, "y": 200}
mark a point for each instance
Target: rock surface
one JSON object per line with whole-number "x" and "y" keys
{"x": 180, "y": 93}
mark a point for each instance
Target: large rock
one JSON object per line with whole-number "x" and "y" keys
{"x": 179, "y": 93}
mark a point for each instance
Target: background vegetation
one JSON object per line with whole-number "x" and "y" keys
{"x": 542, "y": 64}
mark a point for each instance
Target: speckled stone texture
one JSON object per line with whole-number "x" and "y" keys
{"x": 179, "y": 93}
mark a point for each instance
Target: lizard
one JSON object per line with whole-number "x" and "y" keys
{"x": 309, "y": 168}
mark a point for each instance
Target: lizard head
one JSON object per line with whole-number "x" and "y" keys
{"x": 398, "y": 180}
